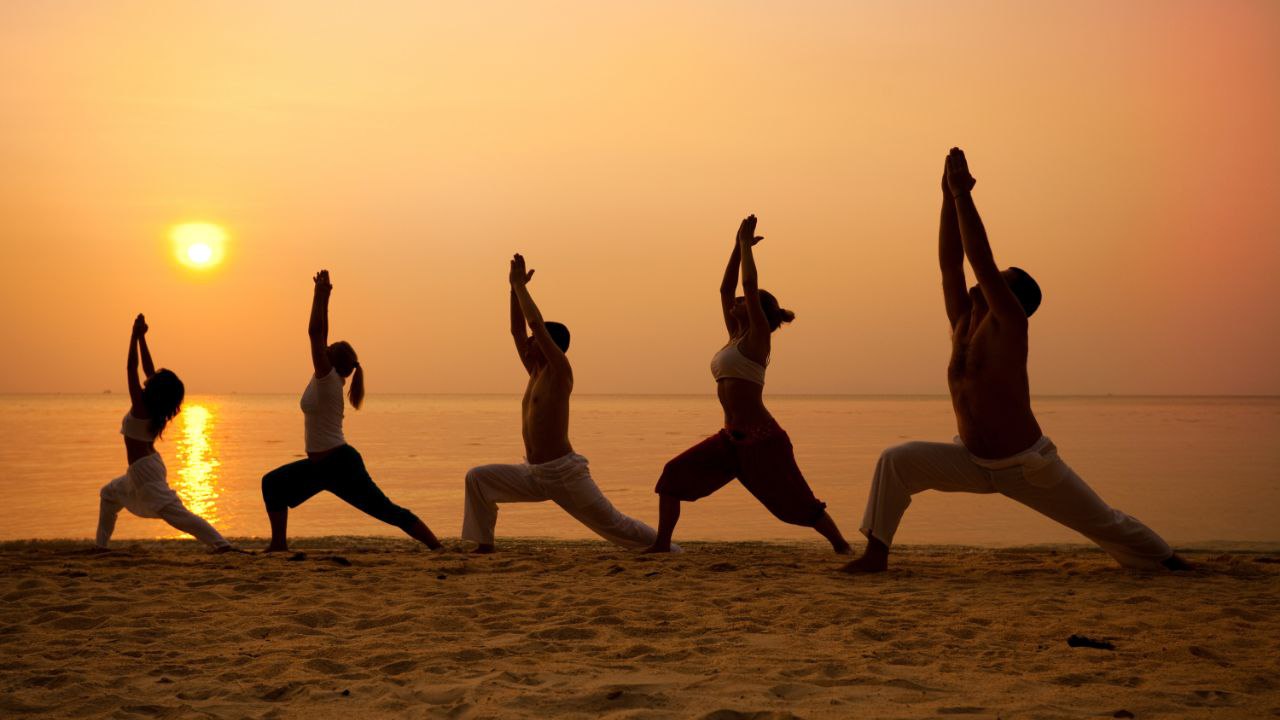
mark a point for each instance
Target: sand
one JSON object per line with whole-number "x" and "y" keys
{"x": 373, "y": 627}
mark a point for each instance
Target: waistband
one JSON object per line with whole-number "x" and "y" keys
{"x": 567, "y": 460}
{"x": 758, "y": 431}
{"x": 1041, "y": 453}
{"x": 562, "y": 467}
{"x": 152, "y": 459}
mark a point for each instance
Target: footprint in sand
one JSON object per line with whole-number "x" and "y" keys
{"x": 283, "y": 692}
{"x": 77, "y": 622}
{"x": 325, "y": 666}
{"x": 1208, "y": 654}
{"x": 794, "y": 691}
{"x": 399, "y": 667}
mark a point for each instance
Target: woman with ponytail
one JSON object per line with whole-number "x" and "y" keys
{"x": 331, "y": 464}
{"x": 752, "y": 447}
{"x": 144, "y": 488}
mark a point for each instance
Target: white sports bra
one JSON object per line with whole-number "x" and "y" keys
{"x": 137, "y": 428}
{"x": 731, "y": 363}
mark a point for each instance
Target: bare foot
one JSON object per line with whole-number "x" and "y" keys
{"x": 483, "y": 549}
{"x": 874, "y": 559}
{"x": 1177, "y": 563}
{"x": 656, "y": 548}
{"x": 866, "y": 564}
{"x": 845, "y": 549}
{"x": 274, "y": 548}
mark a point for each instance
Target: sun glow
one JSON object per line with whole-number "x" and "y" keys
{"x": 198, "y": 245}
{"x": 197, "y": 481}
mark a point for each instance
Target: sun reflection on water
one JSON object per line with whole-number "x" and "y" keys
{"x": 197, "y": 481}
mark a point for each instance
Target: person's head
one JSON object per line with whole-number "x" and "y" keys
{"x": 344, "y": 361}
{"x": 773, "y": 313}
{"x": 162, "y": 395}
{"x": 1024, "y": 287}
{"x": 559, "y": 335}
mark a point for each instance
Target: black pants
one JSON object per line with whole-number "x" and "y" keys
{"x": 342, "y": 473}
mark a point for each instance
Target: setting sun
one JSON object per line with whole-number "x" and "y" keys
{"x": 198, "y": 245}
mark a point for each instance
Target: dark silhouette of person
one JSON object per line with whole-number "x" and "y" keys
{"x": 144, "y": 488}
{"x": 751, "y": 447}
{"x": 552, "y": 470}
{"x": 1000, "y": 447}
{"x": 331, "y": 464}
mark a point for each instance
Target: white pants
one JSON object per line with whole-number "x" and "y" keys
{"x": 1036, "y": 477}
{"x": 565, "y": 481}
{"x": 145, "y": 492}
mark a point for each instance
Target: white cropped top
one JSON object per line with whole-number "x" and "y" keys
{"x": 322, "y": 412}
{"x": 136, "y": 428}
{"x": 731, "y": 363}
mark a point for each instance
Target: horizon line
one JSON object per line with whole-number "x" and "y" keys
{"x": 1207, "y": 396}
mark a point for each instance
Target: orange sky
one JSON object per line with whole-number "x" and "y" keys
{"x": 1126, "y": 154}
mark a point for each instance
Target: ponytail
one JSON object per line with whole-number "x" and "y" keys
{"x": 775, "y": 314}
{"x": 356, "y": 393}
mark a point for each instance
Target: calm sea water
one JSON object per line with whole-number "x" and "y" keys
{"x": 1195, "y": 469}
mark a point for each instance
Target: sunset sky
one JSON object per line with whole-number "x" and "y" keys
{"x": 1127, "y": 155}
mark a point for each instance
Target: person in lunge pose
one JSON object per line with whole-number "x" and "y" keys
{"x": 144, "y": 489}
{"x": 752, "y": 446}
{"x": 331, "y": 464}
{"x": 552, "y": 470}
{"x": 1001, "y": 448}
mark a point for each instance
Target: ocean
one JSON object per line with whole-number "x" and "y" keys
{"x": 1196, "y": 469}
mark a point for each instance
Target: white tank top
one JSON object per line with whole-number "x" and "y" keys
{"x": 322, "y": 412}
{"x": 136, "y": 428}
{"x": 731, "y": 363}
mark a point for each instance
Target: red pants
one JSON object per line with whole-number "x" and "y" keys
{"x": 763, "y": 462}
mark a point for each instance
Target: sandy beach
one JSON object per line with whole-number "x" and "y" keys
{"x": 373, "y": 627}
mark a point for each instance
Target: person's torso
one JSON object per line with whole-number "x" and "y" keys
{"x": 990, "y": 390}
{"x": 322, "y": 412}
{"x": 139, "y": 440}
{"x": 545, "y": 416}
{"x": 740, "y": 387}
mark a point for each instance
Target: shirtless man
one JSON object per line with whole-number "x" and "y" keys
{"x": 552, "y": 470}
{"x": 1001, "y": 448}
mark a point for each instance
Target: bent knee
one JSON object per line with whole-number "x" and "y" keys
{"x": 676, "y": 486}
{"x": 273, "y": 493}
{"x": 904, "y": 451}
{"x": 474, "y": 481}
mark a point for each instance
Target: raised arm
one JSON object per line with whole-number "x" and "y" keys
{"x": 1003, "y": 303}
{"x": 318, "y": 328}
{"x": 519, "y": 285}
{"x": 140, "y": 330}
{"x": 756, "y": 343}
{"x": 138, "y": 410}
{"x": 955, "y": 294}
{"x": 518, "y": 334}
{"x": 729, "y": 289}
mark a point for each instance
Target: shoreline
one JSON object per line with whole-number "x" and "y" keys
{"x": 379, "y": 627}
{"x": 455, "y": 545}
